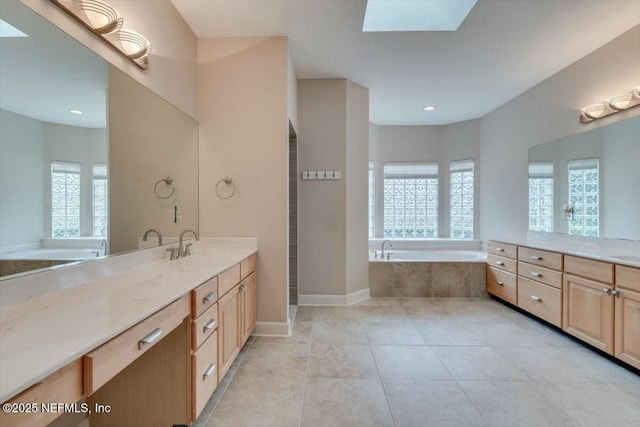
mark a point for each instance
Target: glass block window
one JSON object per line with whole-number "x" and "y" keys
{"x": 100, "y": 200}
{"x": 461, "y": 199}
{"x": 541, "y": 196}
{"x": 372, "y": 193}
{"x": 65, "y": 199}
{"x": 584, "y": 197}
{"x": 410, "y": 200}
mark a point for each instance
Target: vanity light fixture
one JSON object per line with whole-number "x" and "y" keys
{"x": 77, "y": 112}
{"x": 429, "y": 108}
{"x": 104, "y": 21}
{"x": 616, "y": 103}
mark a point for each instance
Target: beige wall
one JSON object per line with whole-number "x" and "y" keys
{"x": 544, "y": 113}
{"x": 243, "y": 110}
{"x": 332, "y": 234}
{"x": 172, "y": 68}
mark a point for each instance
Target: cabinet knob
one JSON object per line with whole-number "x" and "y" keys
{"x": 615, "y": 293}
{"x": 607, "y": 291}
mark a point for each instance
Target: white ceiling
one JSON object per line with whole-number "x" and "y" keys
{"x": 502, "y": 49}
{"x": 45, "y": 75}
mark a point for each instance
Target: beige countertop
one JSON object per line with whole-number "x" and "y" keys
{"x": 42, "y": 333}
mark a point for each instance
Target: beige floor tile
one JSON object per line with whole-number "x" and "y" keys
{"x": 345, "y": 403}
{"x": 341, "y": 361}
{"x": 597, "y": 404}
{"x": 260, "y": 402}
{"x": 336, "y": 314}
{"x": 304, "y": 313}
{"x": 383, "y": 314}
{"x": 417, "y": 403}
{"x": 478, "y": 363}
{"x": 415, "y": 362}
{"x": 514, "y": 404}
{"x": 275, "y": 360}
{"x": 339, "y": 333}
{"x": 447, "y": 332}
{"x": 393, "y": 333}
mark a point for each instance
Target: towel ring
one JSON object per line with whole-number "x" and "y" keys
{"x": 228, "y": 182}
{"x": 168, "y": 181}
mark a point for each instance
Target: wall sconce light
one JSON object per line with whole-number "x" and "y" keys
{"x": 616, "y": 103}
{"x": 104, "y": 21}
{"x": 567, "y": 212}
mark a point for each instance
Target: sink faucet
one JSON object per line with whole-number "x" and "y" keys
{"x": 390, "y": 245}
{"x": 104, "y": 245}
{"x": 152, "y": 230}
{"x": 182, "y": 251}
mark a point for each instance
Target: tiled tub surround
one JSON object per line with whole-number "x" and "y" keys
{"x": 91, "y": 303}
{"x": 427, "y": 268}
{"x": 409, "y": 362}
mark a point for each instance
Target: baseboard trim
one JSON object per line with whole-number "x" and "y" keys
{"x": 335, "y": 300}
{"x": 272, "y": 329}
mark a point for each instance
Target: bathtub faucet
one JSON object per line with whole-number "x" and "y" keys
{"x": 382, "y": 252}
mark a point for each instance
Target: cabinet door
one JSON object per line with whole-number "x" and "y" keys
{"x": 228, "y": 330}
{"x": 587, "y": 308}
{"x": 248, "y": 296}
{"x": 627, "y": 327}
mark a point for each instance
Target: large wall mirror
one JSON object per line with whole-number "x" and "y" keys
{"x": 588, "y": 184}
{"x": 82, "y": 146}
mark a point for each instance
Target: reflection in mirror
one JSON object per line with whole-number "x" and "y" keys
{"x": 75, "y": 187}
{"x": 588, "y": 184}
{"x": 53, "y": 146}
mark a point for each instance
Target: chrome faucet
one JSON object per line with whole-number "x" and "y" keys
{"x": 104, "y": 245}
{"x": 182, "y": 250}
{"x": 152, "y": 230}
{"x": 390, "y": 245}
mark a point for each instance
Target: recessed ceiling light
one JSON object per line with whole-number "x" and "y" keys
{"x": 429, "y": 108}
{"x": 78, "y": 112}
{"x": 415, "y": 15}
{"x": 8, "y": 30}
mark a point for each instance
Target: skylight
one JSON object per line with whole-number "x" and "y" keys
{"x": 8, "y": 30}
{"x": 415, "y": 15}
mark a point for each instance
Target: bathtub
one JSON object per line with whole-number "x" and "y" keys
{"x": 427, "y": 268}
{"x": 429, "y": 255}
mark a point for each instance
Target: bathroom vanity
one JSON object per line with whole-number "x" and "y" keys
{"x": 144, "y": 345}
{"x": 589, "y": 294}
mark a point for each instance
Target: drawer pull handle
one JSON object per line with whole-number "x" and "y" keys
{"x": 209, "y": 297}
{"x": 607, "y": 291}
{"x": 499, "y": 283}
{"x": 616, "y": 293}
{"x": 210, "y": 370}
{"x": 537, "y": 258}
{"x": 533, "y": 273}
{"x": 499, "y": 262}
{"x": 210, "y": 325}
{"x": 535, "y": 298}
{"x": 152, "y": 337}
{"x": 499, "y": 250}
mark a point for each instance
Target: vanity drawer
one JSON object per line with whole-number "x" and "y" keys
{"x": 247, "y": 266}
{"x": 539, "y": 257}
{"x": 63, "y": 386}
{"x": 204, "y": 367}
{"x": 540, "y": 300}
{"x": 109, "y": 359}
{"x": 203, "y": 326}
{"x": 204, "y": 296}
{"x": 540, "y": 274}
{"x": 228, "y": 279}
{"x": 502, "y": 284}
{"x": 502, "y": 263}
{"x": 502, "y": 249}
{"x": 588, "y": 268}
{"x": 628, "y": 277}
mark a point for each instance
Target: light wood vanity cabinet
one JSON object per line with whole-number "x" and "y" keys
{"x": 248, "y": 293}
{"x": 502, "y": 267}
{"x": 595, "y": 301}
{"x": 229, "y": 326}
{"x": 540, "y": 283}
{"x": 627, "y": 315}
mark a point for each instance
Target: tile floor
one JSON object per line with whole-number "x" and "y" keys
{"x": 422, "y": 362}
